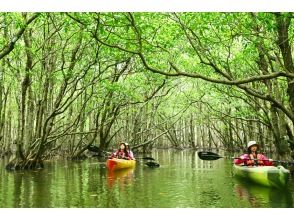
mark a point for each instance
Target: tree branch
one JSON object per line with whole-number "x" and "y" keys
{"x": 10, "y": 46}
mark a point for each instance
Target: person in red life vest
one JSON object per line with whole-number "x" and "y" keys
{"x": 121, "y": 152}
{"x": 253, "y": 157}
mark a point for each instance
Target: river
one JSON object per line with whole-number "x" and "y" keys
{"x": 182, "y": 180}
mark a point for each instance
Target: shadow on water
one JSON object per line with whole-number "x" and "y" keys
{"x": 261, "y": 196}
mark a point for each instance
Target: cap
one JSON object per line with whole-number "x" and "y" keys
{"x": 251, "y": 143}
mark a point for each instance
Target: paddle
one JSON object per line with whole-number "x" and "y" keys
{"x": 95, "y": 148}
{"x": 145, "y": 158}
{"x": 152, "y": 164}
{"x": 149, "y": 163}
{"x": 206, "y": 155}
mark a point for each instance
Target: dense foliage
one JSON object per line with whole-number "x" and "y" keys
{"x": 182, "y": 80}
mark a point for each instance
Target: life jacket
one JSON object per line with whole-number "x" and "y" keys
{"x": 263, "y": 160}
{"x": 118, "y": 153}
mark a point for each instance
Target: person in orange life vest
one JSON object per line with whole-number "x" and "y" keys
{"x": 121, "y": 152}
{"x": 253, "y": 157}
{"x": 131, "y": 155}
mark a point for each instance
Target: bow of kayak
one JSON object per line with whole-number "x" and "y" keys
{"x": 116, "y": 164}
{"x": 271, "y": 176}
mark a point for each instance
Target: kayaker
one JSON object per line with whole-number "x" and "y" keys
{"x": 131, "y": 155}
{"x": 121, "y": 152}
{"x": 253, "y": 157}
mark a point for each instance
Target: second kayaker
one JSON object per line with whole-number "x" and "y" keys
{"x": 253, "y": 157}
{"x": 130, "y": 152}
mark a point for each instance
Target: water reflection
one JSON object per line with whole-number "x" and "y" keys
{"x": 182, "y": 180}
{"x": 30, "y": 185}
{"x": 210, "y": 198}
{"x": 261, "y": 196}
{"x": 120, "y": 177}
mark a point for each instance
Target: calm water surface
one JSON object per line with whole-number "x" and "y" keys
{"x": 183, "y": 180}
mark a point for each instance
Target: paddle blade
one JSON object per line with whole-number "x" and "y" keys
{"x": 147, "y": 158}
{"x": 152, "y": 164}
{"x": 203, "y": 155}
